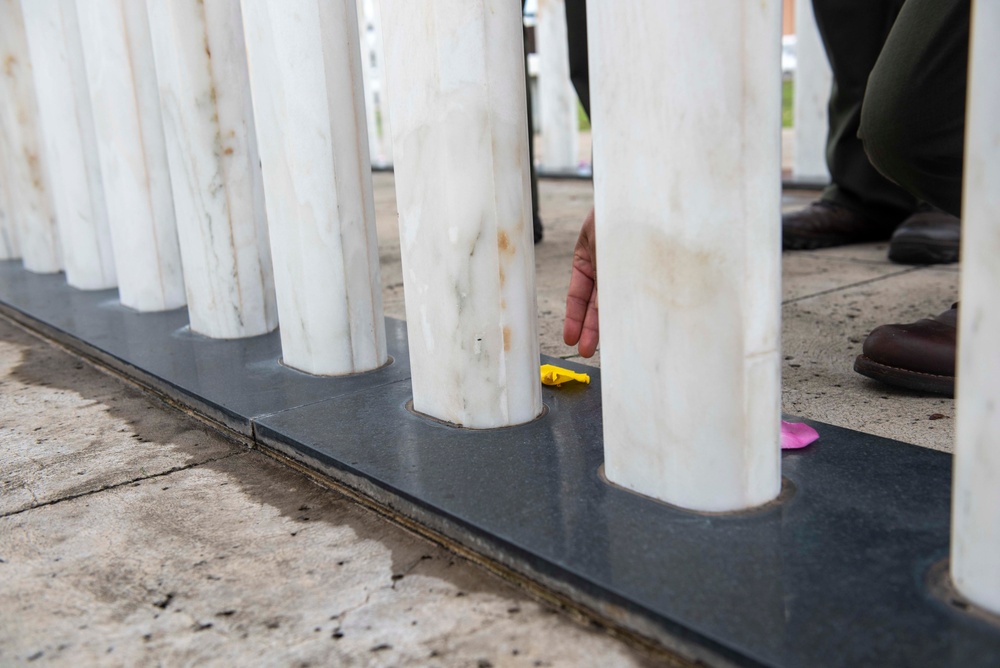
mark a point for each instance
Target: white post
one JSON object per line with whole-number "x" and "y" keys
{"x": 456, "y": 82}
{"x": 687, "y": 195}
{"x": 70, "y": 141}
{"x": 367, "y": 55}
{"x": 214, "y": 166}
{"x": 379, "y": 75}
{"x": 975, "y": 532}
{"x": 9, "y": 247}
{"x": 556, "y": 96}
{"x": 133, "y": 153}
{"x": 305, "y": 73}
{"x": 30, "y": 188}
{"x": 376, "y": 96}
{"x": 813, "y": 79}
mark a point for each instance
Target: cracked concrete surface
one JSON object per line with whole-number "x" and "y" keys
{"x": 130, "y": 534}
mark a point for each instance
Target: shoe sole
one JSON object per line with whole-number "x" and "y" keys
{"x": 905, "y": 378}
{"x": 922, "y": 252}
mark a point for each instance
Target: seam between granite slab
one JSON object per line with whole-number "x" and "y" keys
{"x": 122, "y": 369}
{"x": 131, "y": 481}
{"x": 263, "y": 416}
{"x": 849, "y": 286}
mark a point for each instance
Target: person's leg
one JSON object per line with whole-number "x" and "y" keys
{"x": 913, "y": 127}
{"x": 853, "y": 33}
{"x": 860, "y": 204}
{"x": 579, "y": 68}
{"x": 913, "y": 122}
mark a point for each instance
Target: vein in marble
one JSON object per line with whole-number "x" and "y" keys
{"x": 215, "y": 169}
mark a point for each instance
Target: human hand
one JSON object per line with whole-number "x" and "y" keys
{"x": 581, "y": 300}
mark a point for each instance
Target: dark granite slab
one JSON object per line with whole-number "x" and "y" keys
{"x": 232, "y": 381}
{"x": 834, "y": 575}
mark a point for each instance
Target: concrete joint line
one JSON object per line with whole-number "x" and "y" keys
{"x": 841, "y": 288}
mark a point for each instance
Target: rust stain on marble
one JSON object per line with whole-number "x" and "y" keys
{"x": 506, "y": 339}
{"x": 503, "y": 242}
{"x": 35, "y": 168}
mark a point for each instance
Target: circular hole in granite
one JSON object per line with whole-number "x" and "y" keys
{"x": 389, "y": 362}
{"x": 452, "y": 425}
{"x": 788, "y": 490}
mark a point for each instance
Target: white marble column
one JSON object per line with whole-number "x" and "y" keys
{"x": 455, "y": 70}
{"x": 30, "y": 187}
{"x": 305, "y": 71}
{"x": 133, "y": 153}
{"x": 975, "y": 527}
{"x": 9, "y": 247}
{"x": 376, "y": 95}
{"x": 70, "y": 142}
{"x": 813, "y": 80}
{"x": 367, "y": 56}
{"x": 378, "y": 73}
{"x": 687, "y": 195}
{"x": 556, "y": 96}
{"x": 214, "y": 165}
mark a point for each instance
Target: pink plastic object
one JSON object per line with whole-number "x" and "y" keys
{"x": 795, "y": 435}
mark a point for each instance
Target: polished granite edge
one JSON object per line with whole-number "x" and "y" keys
{"x": 232, "y": 382}
{"x": 834, "y": 575}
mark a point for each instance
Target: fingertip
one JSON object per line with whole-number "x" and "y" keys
{"x": 571, "y": 333}
{"x": 588, "y": 346}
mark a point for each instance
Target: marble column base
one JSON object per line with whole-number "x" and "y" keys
{"x": 455, "y": 69}
{"x": 133, "y": 154}
{"x": 305, "y": 67}
{"x": 30, "y": 194}
{"x": 687, "y": 188}
{"x": 215, "y": 172}
{"x": 975, "y": 533}
{"x": 70, "y": 141}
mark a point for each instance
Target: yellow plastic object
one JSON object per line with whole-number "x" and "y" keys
{"x": 553, "y": 375}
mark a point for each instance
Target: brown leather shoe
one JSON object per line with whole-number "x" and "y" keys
{"x": 930, "y": 236}
{"x": 918, "y": 356}
{"x": 824, "y": 224}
